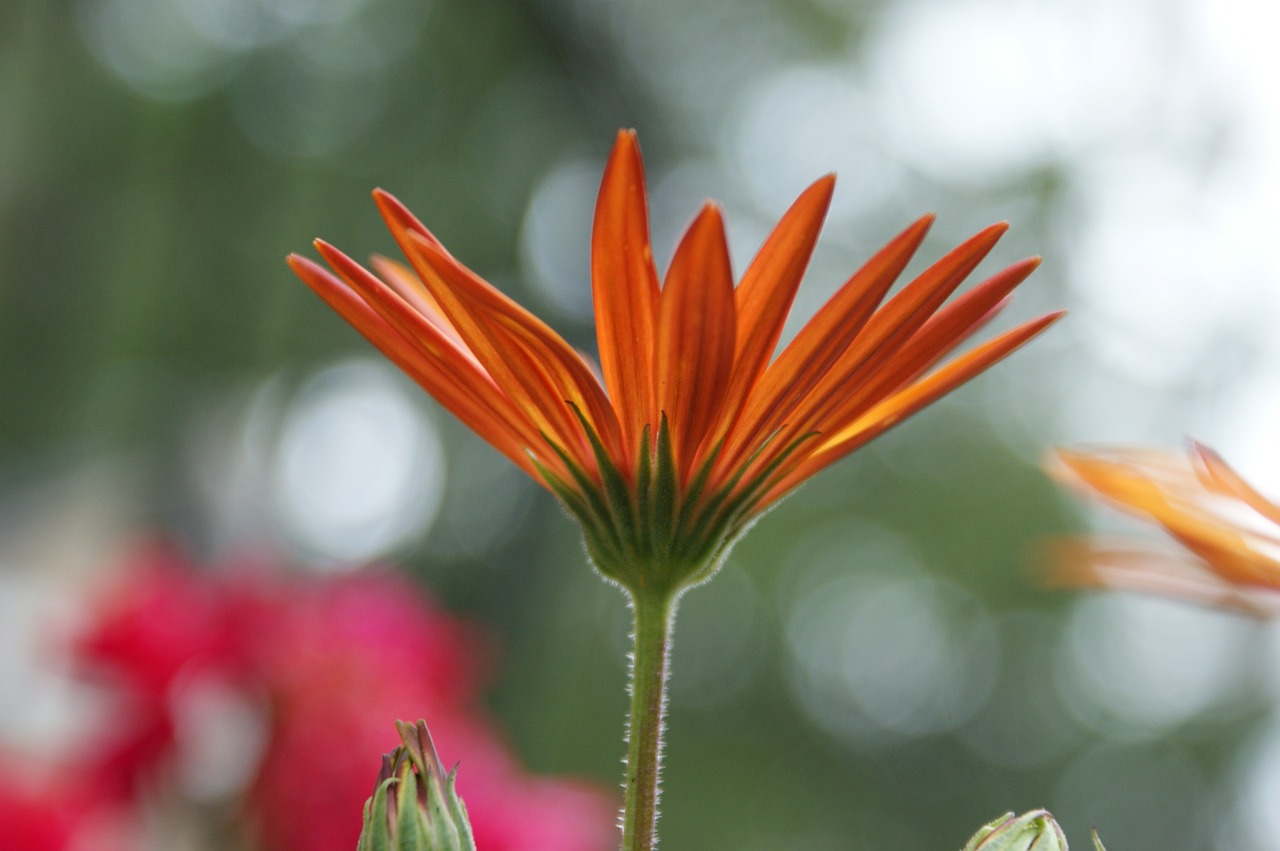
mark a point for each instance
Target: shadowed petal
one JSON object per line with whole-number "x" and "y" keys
{"x": 696, "y": 334}
{"x": 533, "y": 365}
{"x": 462, "y": 388}
{"x": 764, "y": 297}
{"x": 410, "y": 288}
{"x": 944, "y": 331}
{"x": 401, "y": 222}
{"x": 874, "y": 349}
{"x": 821, "y": 342}
{"x": 888, "y": 413}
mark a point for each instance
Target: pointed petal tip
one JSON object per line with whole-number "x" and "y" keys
{"x": 917, "y": 229}
{"x": 395, "y": 212}
{"x": 298, "y": 263}
{"x": 1207, "y": 455}
{"x": 983, "y": 241}
{"x": 1042, "y": 322}
{"x": 711, "y": 211}
{"x": 626, "y": 142}
{"x": 326, "y": 249}
{"x": 1023, "y": 268}
{"x": 825, "y": 185}
{"x": 387, "y": 203}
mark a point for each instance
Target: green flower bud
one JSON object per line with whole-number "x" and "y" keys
{"x": 1032, "y": 831}
{"x": 414, "y": 805}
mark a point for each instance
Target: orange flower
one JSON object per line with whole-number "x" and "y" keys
{"x": 1230, "y": 532}
{"x": 696, "y": 428}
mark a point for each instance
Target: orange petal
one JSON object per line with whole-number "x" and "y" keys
{"x": 1151, "y": 571}
{"x": 894, "y": 324}
{"x": 888, "y": 413}
{"x": 944, "y": 331}
{"x": 1166, "y": 489}
{"x": 624, "y": 287}
{"x": 534, "y": 365}
{"x": 768, "y": 288}
{"x": 1136, "y": 482}
{"x": 875, "y": 347}
{"x": 821, "y": 342}
{"x": 401, "y": 222}
{"x": 1225, "y": 549}
{"x": 463, "y": 390}
{"x": 410, "y": 288}
{"x": 1229, "y": 481}
{"x": 696, "y": 334}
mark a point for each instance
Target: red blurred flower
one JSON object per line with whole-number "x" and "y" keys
{"x": 333, "y": 663}
{"x": 35, "y": 820}
{"x": 161, "y": 625}
{"x": 49, "y": 808}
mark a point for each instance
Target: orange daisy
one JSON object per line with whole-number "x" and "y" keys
{"x": 695, "y": 427}
{"x": 1228, "y": 531}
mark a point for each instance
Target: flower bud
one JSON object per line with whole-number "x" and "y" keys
{"x": 1032, "y": 831}
{"x": 414, "y": 805}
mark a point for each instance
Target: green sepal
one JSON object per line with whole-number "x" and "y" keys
{"x": 1032, "y": 831}
{"x": 458, "y": 811}
{"x": 617, "y": 492}
{"x": 601, "y": 537}
{"x": 742, "y": 504}
{"x": 410, "y": 831}
{"x": 693, "y": 493}
{"x": 659, "y": 535}
{"x": 376, "y": 835}
{"x": 644, "y": 499}
{"x": 666, "y": 495}
{"x": 599, "y": 518}
{"x": 415, "y": 805}
{"x": 721, "y": 519}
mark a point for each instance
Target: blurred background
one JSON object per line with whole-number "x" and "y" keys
{"x": 878, "y": 665}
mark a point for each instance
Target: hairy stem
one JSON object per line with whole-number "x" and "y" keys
{"x": 651, "y": 640}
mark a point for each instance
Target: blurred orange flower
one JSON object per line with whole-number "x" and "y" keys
{"x": 1229, "y": 532}
{"x": 695, "y": 428}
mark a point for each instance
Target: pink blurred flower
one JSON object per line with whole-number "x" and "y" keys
{"x": 333, "y": 663}
{"x": 161, "y": 624}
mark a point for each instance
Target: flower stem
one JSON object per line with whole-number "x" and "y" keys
{"x": 651, "y": 639}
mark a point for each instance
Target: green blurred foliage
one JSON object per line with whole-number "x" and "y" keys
{"x": 143, "y": 283}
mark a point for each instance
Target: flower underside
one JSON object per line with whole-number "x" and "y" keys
{"x": 658, "y": 533}
{"x": 696, "y": 427}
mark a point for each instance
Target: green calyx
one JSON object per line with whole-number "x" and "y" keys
{"x": 414, "y": 805}
{"x": 656, "y": 535}
{"x": 1032, "y": 831}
